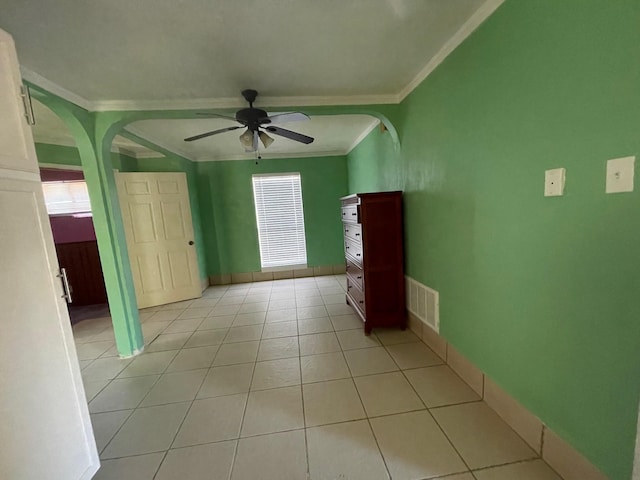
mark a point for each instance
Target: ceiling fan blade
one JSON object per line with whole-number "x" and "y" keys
{"x": 285, "y": 118}
{"x": 226, "y": 117}
{"x": 214, "y": 132}
{"x": 298, "y": 137}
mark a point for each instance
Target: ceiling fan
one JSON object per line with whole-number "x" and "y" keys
{"x": 257, "y": 122}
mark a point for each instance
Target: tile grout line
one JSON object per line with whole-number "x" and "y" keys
{"x": 375, "y": 439}
{"x": 188, "y": 409}
{"x": 304, "y": 414}
{"x": 130, "y": 415}
{"x": 436, "y": 422}
{"x": 244, "y": 413}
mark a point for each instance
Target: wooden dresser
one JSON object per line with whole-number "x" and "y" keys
{"x": 373, "y": 249}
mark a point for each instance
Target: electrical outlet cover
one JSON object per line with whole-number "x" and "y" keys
{"x": 620, "y": 175}
{"x": 554, "y": 182}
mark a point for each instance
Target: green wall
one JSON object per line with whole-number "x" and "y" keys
{"x": 541, "y": 293}
{"x": 228, "y": 213}
{"x": 69, "y": 156}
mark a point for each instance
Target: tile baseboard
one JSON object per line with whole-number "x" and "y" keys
{"x": 247, "y": 277}
{"x": 566, "y": 460}
{"x": 467, "y": 371}
{"x": 558, "y": 453}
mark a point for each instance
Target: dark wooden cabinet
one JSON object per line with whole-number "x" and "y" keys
{"x": 373, "y": 249}
{"x": 82, "y": 263}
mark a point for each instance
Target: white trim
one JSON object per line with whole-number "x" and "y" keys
{"x": 234, "y": 102}
{"x": 68, "y": 142}
{"x": 134, "y": 154}
{"x": 149, "y": 155}
{"x": 61, "y": 142}
{"x": 19, "y": 175}
{"x": 123, "y": 151}
{"x": 474, "y": 21}
{"x": 284, "y": 268}
{"x": 59, "y": 166}
{"x": 54, "y": 88}
{"x": 267, "y": 156}
{"x": 275, "y": 174}
{"x": 160, "y": 143}
{"x": 363, "y": 135}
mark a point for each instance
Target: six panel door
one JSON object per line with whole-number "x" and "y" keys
{"x": 157, "y": 222}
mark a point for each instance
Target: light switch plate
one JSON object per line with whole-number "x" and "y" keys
{"x": 554, "y": 182}
{"x": 620, "y": 174}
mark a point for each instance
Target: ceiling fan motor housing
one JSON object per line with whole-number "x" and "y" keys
{"x": 252, "y": 117}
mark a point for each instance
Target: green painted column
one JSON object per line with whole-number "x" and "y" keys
{"x": 112, "y": 243}
{"x": 93, "y": 134}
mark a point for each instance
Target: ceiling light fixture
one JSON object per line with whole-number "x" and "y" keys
{"x": 265, "y": 139}
{"x": 246, "y": 140}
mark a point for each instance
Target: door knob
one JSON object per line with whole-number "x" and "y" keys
{"x": 191, "y": 242}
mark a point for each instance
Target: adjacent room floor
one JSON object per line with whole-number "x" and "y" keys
{"x": 276, "y": 380}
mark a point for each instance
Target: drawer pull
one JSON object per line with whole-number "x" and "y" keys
{"x": 349, "y": 287}
{"x": 361, "y": 302}
{"x": 359, "y": 277}
{"x": 357, "y": 254}
{"x": 357, "y": 234}
{"x": 344, "y": 213}
{"x": 353, "y": 213}
{"x": 347, "y": 247}
{"x": 347, "y": 231}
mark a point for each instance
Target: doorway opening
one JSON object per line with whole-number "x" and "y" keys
{"x": 75, "y": 242}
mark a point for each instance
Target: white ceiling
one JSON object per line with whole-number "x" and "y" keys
{"x": 196, "y": 54}
{"x": 334, "y": 135}
{"x": 49, "y": 128}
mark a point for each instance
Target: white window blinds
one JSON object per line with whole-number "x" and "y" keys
{"x": 66, "y": 197}
{"x": 278, "y": 200}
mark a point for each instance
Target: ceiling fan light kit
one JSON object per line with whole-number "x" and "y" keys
{"x": 256, "y": 121}
{"x": 265, "y": 139}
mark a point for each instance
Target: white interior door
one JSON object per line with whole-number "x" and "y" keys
{"x": 157, "y": 223}
{"x": 45, "y": 430}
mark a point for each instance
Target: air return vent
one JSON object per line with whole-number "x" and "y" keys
{"x": 423, "y": 302}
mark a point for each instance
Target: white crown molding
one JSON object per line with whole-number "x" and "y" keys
{"x": 474, "y": 21}
{"x": 124, "y": 151}
{"x": 374, "y": 123}
{"x": 59, "y": 141}
{"x": 263, "y": 102}
{"x": 132, "y": 153}
{"x": 150, "y": 154}
{"x": 58, "y": 166}
{"x": 268, "y": 156}
{"x": 160, "y": 143}
{"x": 54, "y": 88}
{"x": 68, "y": 142}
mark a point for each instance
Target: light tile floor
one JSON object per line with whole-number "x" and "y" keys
{"x": 276, "y": 380}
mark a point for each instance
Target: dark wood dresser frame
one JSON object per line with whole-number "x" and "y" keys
{"x": 373, "y": 248}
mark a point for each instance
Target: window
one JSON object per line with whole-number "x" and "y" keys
{"x": 280, "y": 219}
{"x": 66, "y": 197}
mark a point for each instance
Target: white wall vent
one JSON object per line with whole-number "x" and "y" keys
{"x": 423, "y": 302}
